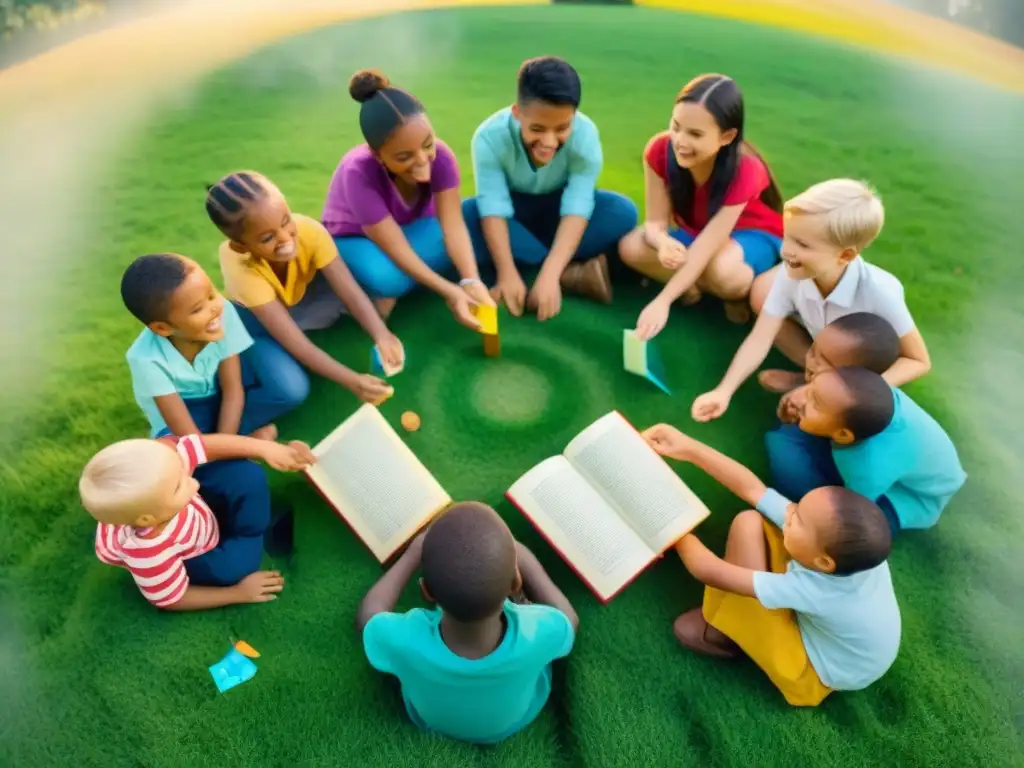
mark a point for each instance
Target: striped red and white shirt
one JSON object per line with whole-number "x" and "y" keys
{"x": 157, "y": 562}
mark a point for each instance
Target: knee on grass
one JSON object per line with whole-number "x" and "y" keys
{"x": 747, "y": 525}
{"x": 633, "y": 249}
{"x": 727, "y": 276}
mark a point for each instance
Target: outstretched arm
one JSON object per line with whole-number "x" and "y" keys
{"x": 539, "y": 587}
{"x": 708, "y": 568}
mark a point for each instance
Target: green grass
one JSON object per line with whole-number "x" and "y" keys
{"x": 93, "y": 675}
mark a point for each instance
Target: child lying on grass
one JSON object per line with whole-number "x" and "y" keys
{"x": 805, "y": 591}
{"x": 478, "y": 667}
{"x": 190, "y": 543}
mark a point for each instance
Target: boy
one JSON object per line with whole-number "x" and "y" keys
{"x": 805, "y": 591}
{"x": 856, "y": 430}
{"x": 858, "y": 340}
{"x": 192, "y": 366}
{"x": 536, "y": 165}
{"x": 189, "y": 545}
{"x": 478, "y": 667}
{"x": 826, "y": 229}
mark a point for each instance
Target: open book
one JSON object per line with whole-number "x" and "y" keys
{"x": 609, "y": 505}
{"x": 375, "y": 482}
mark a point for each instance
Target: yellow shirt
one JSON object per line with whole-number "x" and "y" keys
{"x": 252, "y": 282}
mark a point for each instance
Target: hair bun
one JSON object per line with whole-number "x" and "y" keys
{"x": 365, "y": 83}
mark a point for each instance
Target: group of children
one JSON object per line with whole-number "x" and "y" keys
{"x": 804, "y": 587}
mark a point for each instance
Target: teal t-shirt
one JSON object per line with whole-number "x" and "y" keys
{"x": 159, "y": 369}
{"x": 481, "y": 701}
{"x": 912, "y": 462}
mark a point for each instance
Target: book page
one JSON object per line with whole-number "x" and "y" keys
{"x": 636, "y": 481}
{"x": 376, "y": 482}
{"x": 581, "y": 525}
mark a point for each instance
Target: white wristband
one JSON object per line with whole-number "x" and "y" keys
{"x": 468, "y": 281}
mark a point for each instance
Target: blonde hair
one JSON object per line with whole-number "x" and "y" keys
{"x": 117, "y": 482}
{"x": 853, "y": 212}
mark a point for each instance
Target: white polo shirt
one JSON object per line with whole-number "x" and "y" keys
{"x": 862, "y": 288}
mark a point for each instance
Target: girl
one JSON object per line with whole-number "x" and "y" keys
{"x": 724, "y": 206}
{"x": 283, "y": 272}
{"x": 393, "y": 206}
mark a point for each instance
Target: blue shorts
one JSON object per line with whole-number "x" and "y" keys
{"x": 760, "y": 249}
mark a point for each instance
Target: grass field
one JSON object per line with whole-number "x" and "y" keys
{"x": 92, "y": 675}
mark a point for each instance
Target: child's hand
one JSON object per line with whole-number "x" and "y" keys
{"x": 669, "y": 441}
{"x": 545, "y": 298}
{"x": 478, "y": 293}
{"x": 672, "y": 253}
{"x": 415, "y": 548}
{"x": 512, "y": 290}
{"x": 652, "y": 319}
{"x": 461, "y": 306}
{"x": 260, "y": 587}
{"x": 791, "y": 406}
{"x": 370, "y": 389}
{"x": 293, "y": 457}
{"x": 710, "y": 405}
{"x": 391, "y": 350}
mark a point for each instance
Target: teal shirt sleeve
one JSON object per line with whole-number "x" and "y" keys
{"x": 773, "y": 505}
{"x": 236, "y": 338}
{"x": 585, "y": 164}
{"x": 866, "y": 472}
{"x": 149, "y": 378}
{"x": 555, "y": 633}
{"x": 378, "y": 635}
{"x": 492, "y": 191}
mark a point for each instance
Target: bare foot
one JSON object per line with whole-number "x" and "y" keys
{"x": 385, "y": 307}
{"x": 693, "y": 632}
{"x": 267, "y": 432}
{"x": 780, "y": 381}
{"x": 737, "y": 312}
{"x": 691, "y": 296}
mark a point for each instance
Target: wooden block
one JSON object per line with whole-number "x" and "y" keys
{"x": 492, "y": 345}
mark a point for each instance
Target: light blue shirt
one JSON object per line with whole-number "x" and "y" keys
{"x": 502, "y": 164}
{"x": 159, "y": 369}
{"x": 912, "y": 462}
{"x": 850, "y": 624}
{"x": 477, "y": 700}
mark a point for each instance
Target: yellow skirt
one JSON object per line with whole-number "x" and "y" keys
{"x": 770, "y": 637}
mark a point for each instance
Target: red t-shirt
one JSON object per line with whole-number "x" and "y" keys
{"x": 750, "y": 181}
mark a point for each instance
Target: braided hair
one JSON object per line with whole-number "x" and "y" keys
{"x": 229, "y": 200}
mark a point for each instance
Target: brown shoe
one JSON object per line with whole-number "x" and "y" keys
{"x": 589, "y": 278}
{"x": 737, "y": 312}
{"x": 693, "y": 632}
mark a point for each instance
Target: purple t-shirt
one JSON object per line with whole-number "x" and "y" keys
{"x": 362, "y": 193}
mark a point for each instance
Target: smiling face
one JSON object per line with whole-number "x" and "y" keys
{"x": 824, "y": 408}
{"x": 695, "y": 135}
{"x": 270, "y": 232}
{"x": 807, "y": 251}
{"x": 832, "y": 348}
{"x": 196, "y": 309}
{"x": 545, "y": 128}
{"x": 806, "y": 530}
{"x": 410, "y": 151}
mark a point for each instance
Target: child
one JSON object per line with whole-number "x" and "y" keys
{"x": 858, "y": 431}
{"x": 825, "y": 277}
{"x": 805, "y": 593}
{"x": 478, "y": 667}
{"x": 859, "y": 340}
{"x": 536, "y": 165}
{"x": 194, "y": 367}
{"x": 189, "y": 544}
{"x": 393, "y": 206}
{"x": 714, "y": 214}
{"x": 283, "y": 272}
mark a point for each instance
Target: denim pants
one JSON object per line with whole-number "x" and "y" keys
{"x": 374, "y": 270}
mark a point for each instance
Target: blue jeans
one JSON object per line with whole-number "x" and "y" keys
{"x": 374, "y": 270}
{"x": 801, "y": 462}
{"x": 536, "y": 218}
{"x": 237, "y": 493}
{"x": 274, "y": 383}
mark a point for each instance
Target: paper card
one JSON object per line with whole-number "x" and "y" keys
{"x": 380, "y": 367}
{"x": 642, "y": 359}
{"x": 234, "y": 669}
{"x": 488, "y": 317}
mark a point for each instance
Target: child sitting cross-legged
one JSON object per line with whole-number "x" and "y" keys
{"x": 478, "y": 667}
{"x": 194, "y": 367}
{"x": 804, "y": 589}
{"x": 190, "y": 543}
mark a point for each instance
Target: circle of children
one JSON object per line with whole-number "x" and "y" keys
{"x": 804, "y": 589}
